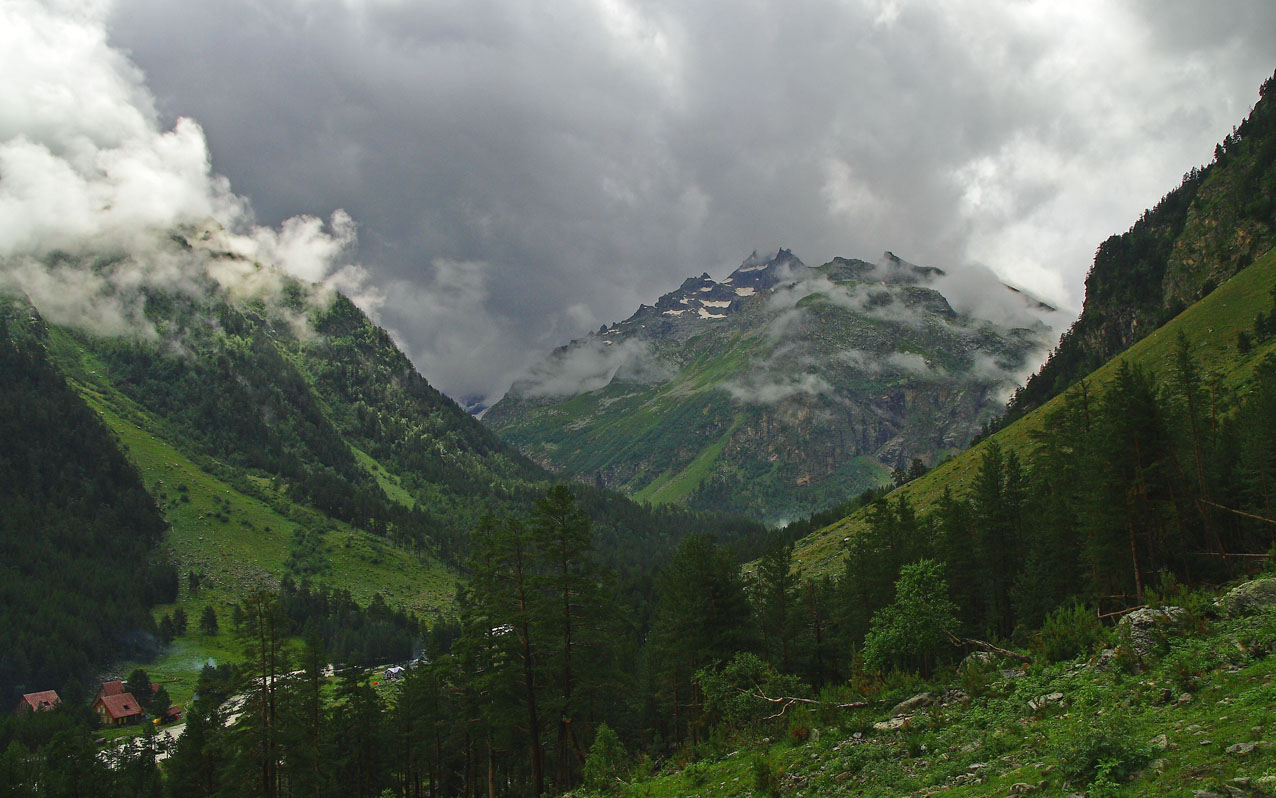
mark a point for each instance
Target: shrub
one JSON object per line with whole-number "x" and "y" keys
{"x": 799, "y": 731}
{"x": 1104, "y": 752}
{"x": 1069, "y": 631}
{"x": 696, "y": 774}
{"x": 606, "y": 760}
{"x": 766, "y": 777}
{"x": 976, "y": 674}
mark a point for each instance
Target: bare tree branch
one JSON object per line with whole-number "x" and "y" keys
{"x": 786, "y": 701}
{"x": 986, "y": 646}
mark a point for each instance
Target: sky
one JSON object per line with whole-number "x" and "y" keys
{"x": 490, "y": 179}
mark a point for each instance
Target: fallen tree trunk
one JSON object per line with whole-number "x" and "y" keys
{"x": 786, "y": 701}
{"x": 989, "y": 647}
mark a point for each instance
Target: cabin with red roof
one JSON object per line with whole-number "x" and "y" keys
{"x": 117, "y": 710}
{"x": 37, "y": 702}
{"x": 110, "y": 688}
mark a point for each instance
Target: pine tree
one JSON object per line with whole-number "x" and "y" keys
{"x": 774, "y": 592}
{"x": 208, "y": 620}
{"x": 502, "y": 593}
{"x": 701, "y": 617}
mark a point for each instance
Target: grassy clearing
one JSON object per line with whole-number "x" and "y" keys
{"x": 388, "y": 482}
{"x": 1210, "y": 326}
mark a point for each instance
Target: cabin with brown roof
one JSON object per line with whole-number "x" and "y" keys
{"x": 117, "y": 710}
{"x": 37, "y": 702}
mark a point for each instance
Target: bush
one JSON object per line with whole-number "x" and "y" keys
{"x": 1104, "y": 753}
{"x": 606, "y": 761}
{"x": 766, "y": 777}
{"x": 799, "y": 731}
{"x": 977, "y": 673}
{"x": 1069, "y": 631}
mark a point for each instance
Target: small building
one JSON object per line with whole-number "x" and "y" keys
{"x": 110, "y": 688}
{"x": 117, "y": 710}
{"x": 37, "y": 702}
{"x": 117, "y": 688}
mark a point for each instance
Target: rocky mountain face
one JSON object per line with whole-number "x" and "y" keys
{"x": 779, "y": 390}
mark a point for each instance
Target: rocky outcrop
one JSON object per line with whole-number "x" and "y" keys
{"x": 1144, "y": 631}
{"x": 1249, "y": 598}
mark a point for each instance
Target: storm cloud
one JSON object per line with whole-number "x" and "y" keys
{"x": 520, "y": 173}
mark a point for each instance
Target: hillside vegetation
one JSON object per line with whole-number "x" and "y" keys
{"x": 1218, "y": 221}
{"x": 1210, "y": 328}
{"x": 245, "y": 444}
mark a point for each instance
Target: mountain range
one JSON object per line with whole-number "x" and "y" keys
{"x": 781, "y": 390}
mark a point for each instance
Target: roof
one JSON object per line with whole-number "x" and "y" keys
{"x": 119, "y": 706}
{"x": 45, "y": 699}
{"x": 112, "y": 688}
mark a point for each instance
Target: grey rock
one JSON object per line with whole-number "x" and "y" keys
{"x": 1041, "y": 702}
{"x": 1160, "y": 742}
{"x": 910, "y": 705}
{"x": 1241, "y": 749}
{"x": 1250, "y": 597}
{"x": 1022, "y": 788}
{"x": 1105, "y": 660}
{"x": 1145, "y": 629}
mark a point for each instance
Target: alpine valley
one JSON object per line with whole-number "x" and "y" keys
{"x": 781, "y": 390}
{"x": 246, "y": 549}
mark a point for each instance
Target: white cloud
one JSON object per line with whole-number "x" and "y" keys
{"x": 92, "y": 187}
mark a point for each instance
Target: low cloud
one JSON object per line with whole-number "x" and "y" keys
{"x": 770, "y": 389}
{"x": 99, "y": 203}
{"x": 591, "y": 365}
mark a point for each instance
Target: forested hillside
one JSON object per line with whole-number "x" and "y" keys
{"x": 81, "y": 554}
{"x": 284, "y": 443}
{"x": 1220, "y": 220}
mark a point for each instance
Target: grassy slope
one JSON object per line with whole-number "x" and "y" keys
{"x": 625, "y": 420}
{"x": 1210, "y": 325}
{"x": 240, "y": 541}
{"x": 999, "y": 740}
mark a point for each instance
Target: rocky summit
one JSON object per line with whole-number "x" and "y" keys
{"x": 781, "y": 389}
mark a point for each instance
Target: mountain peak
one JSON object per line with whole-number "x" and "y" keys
{"x": 762, "y": 273}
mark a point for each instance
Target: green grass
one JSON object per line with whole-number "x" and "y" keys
{"x": 389, "y": 483}
{"x": 240, "y": 541}
{"x": 677, "y": 487}
{"x": 1210, "y": 326}
{"x": 984, "y": 745}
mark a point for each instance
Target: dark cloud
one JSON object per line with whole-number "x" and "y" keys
{"x": 522, "y": 172}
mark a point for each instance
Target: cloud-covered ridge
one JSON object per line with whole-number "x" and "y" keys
{"x": 98, "y": 202}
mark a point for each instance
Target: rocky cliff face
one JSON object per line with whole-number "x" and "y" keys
{"x": 779, "y": 390}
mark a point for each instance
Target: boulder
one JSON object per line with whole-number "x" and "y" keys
{"x": 1041, "y": 702}
{"x": 1145, "y": 629}
{"x": 910, "y": 705}
{"x": 1249, "y": 598}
